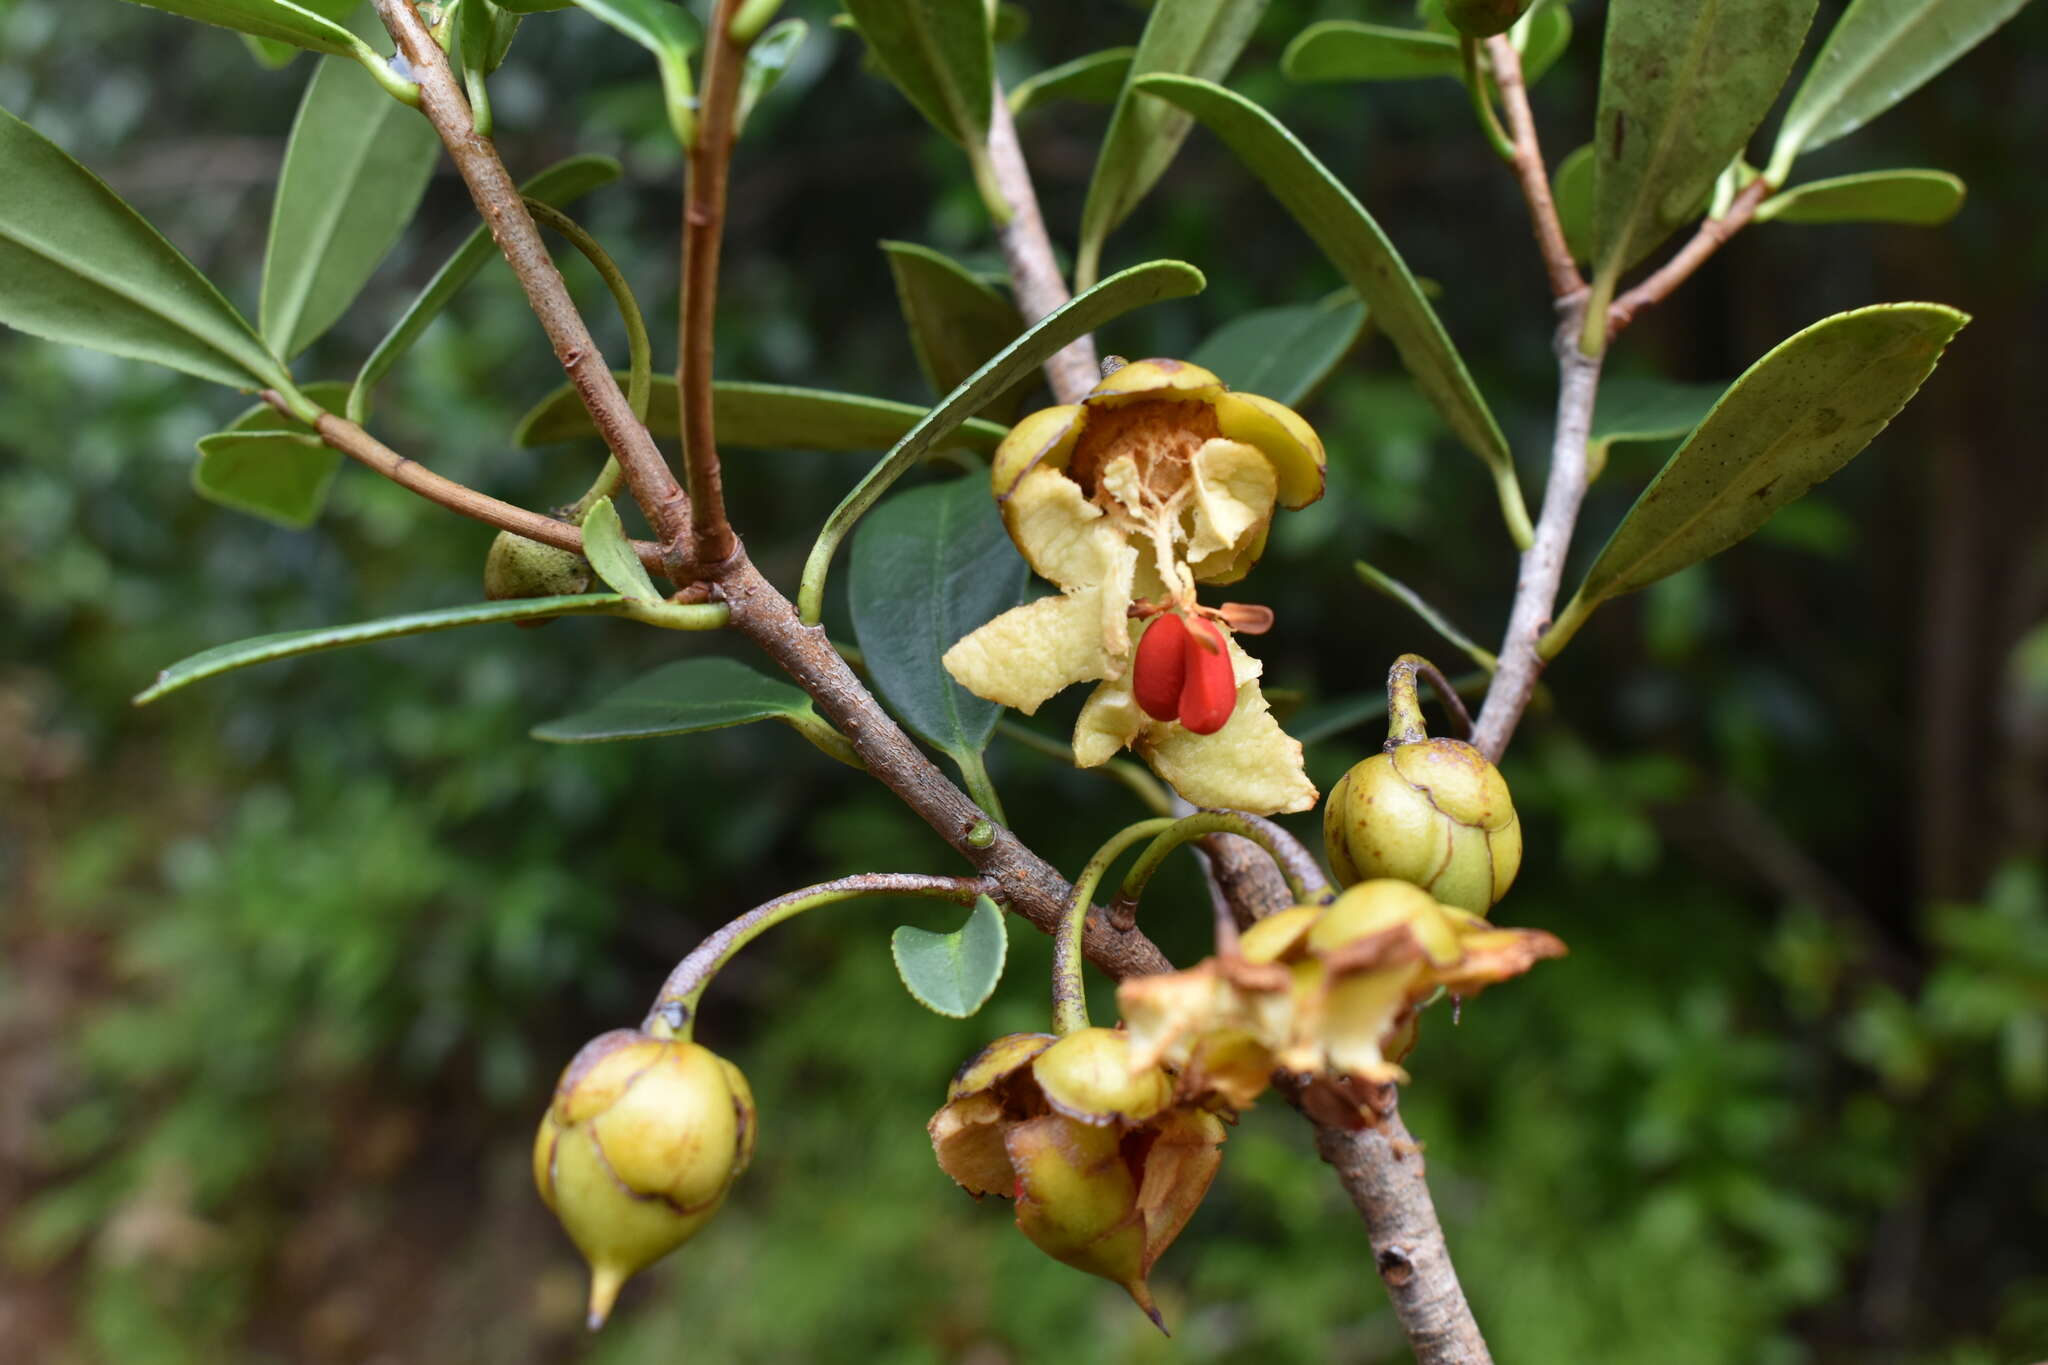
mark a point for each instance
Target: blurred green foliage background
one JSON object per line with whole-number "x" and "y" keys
{"x": 291, "y": 960}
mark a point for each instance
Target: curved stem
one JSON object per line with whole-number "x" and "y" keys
{"x": 639, "y": 350}
{"x": 1529, "y": 169}
{"x": 1305, "y": 880}
{"x": 1035, "y": 278}
{"x": 1404, "y": 706}
{"x": 974, "y": 774}
{"x": 1482, "y": 102}
{"x": 674, "y": 1012}
{"x": 1069, "y": 993}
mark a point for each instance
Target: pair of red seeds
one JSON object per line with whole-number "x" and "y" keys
{"x": 1183, "y": 673}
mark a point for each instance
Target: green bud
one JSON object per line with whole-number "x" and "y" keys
{"x": 1483, "y": 18}
{"x": 636, "y": 1152}
{"x": 518, "y": 567}
{"x": 1434, "y": 813}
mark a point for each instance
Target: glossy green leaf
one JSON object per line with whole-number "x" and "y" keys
{"x": 1094, "y": 79}
{"x": 486, "y": 31}
{"x": 1644, "y": 409}
{"x": 1084, "y": 313}
{"x": 264, "y": 648}
{"x": 1793, "y": 419}
{"x": 1683, "y": 83}
{"x": 354, "y": 171}
{"x": 1879, "y": 52}
{"x": 671, "y": 33}
{"x": 768, "y": 59}
{"x": 611, "y": 553}
{"x": 956, "y": 321}
{"x": 1345, "y": 50}
{"x": 269, "y": 465}
{"x": 308, "y": 25}
{"x": 535, "y": 6}
{"x": 274, "y": 54}
{"x": 941, "y": 55}
{"x": 764, "y": 417}
{"x": 1200, "y": 38}
{"x": 1365, "y": 258}
{"x": 927, "y": 567}
{"x": 78, "y": 265}
{"x": 954, "y": 974}
{"x": 1921, "y": 198}
{"x": 1571, "y": 190}
{"x": 1284, "y": 353}
{"x": 560, "y": 184}
{"x": 679, "y": 699}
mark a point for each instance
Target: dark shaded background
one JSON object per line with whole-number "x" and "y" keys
{"x": 291, "y": 959}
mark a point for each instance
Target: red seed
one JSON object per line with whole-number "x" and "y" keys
{"x": 1161, "y": 667}
{"x": 1210, "y": 693}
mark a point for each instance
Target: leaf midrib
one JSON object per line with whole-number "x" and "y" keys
{"x": 1660, "y": 145}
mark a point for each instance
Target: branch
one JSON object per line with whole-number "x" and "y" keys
{"x": 703, "y": 234}
{"x": 1025, "y": 882}
{"x": 1381, "y": 1168}
{"x": 1705, "y": 242}
{"x": 1543, "y": 562}
{"x": 359, "y": 445}
{"x": 1035, "y": 277}
{"x": 1529, "y": 170}
{"x": 498, "y": 200}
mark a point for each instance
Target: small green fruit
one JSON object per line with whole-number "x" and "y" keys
{"x": 643, "y": 1139}
{"x": 517, "y": 567}
{"x": 1434, "y": 813}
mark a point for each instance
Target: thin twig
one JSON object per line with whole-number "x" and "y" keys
{"x": 1565, "y": 280}
{"x": 1381, "y": 1168}
{"x": 1713, "y": 232}
{"x": 360, "y": 446}
{"x": 1542, "y": 568}
{"x": 703, "y": 235}
{"x": 1035, "y": 277}
{"x": 498, "y": 200}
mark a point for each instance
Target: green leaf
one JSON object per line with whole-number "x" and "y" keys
{"x": 274, "y": 54}
{"x": 941, "y": 55}
{"x": 953, "y": 974}
{"x": 78, "y": 265}
{"x": 300, "y": 25}
{"x": 354, "y": 171}
{"x": 1285, "y": 353}
{"x": 1345, "y": 50}
{"x": 681, "y": 699}
{"x": 269, "y": 465}
{"x": 1880, "y": 52}
{"x": 1084, "y": 313}
{"x": 611, "y": 554}
{"x": 671, "y": 33}
{"x": 1094, "y": 79}
{"x": 1683, "y": 83}
{"x": 1389, "y": 586}
{"x": 560, "y": 184}
{"x": 1200, "y": 38}
{"x": 1922, "y": 198}
{"x": 956, "y": 321}
{"x": 1541, "y": 35}
{"x": 763, "y": 416}
{"x": 1571, "y": 190}
{"x": 928, "y": 566}
{"x": 264, "y": 648}
{"x": 1793, "y": 419}
{"x": 1630, "y": 408}
{"x": 1365, "y": 258}
{"x": 535, "y": 6}
{"x": 767, "y": 62}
